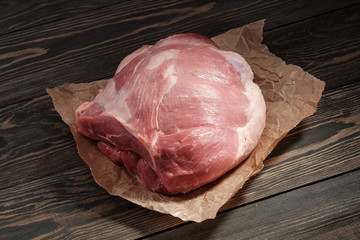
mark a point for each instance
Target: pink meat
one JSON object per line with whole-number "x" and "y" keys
{"x": 178, "y": 114}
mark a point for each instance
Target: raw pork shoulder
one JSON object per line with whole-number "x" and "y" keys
{"x": 178, "y": 114}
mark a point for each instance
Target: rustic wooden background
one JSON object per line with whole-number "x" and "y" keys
{"x": 309, "y": 188}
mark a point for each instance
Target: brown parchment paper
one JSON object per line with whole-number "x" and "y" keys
{"x": 290, "y": 94}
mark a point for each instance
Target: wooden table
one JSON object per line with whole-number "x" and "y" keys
{"x": 309, "y": 188}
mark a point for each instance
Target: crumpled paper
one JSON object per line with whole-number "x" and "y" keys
{"x": 290, "y": 93}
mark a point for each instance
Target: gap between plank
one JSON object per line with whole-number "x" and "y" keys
{"x": 253, "y": 202}
{"x": 304, "y": 19}
{"x": 55, "y": 20}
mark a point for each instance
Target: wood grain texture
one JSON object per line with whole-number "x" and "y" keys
{"x": 18, "y": 15}
{"x": 69, "y": 205}
{"x": 34, "y": 141}
{"x": 60, "y": 202}
{"x": 322, "y": 47}
{"x": 89, "y": 47}
{"x": 327, "y": 210}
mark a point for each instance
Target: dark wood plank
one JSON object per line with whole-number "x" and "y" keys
{"x": 326, "y": 210}
{"x": 89, "y": 46}
{"x": 18, "y": 15}
{"x": 326, "y": 49}
{"x": 67, "y": 203}
{"x": 34, "y": 142}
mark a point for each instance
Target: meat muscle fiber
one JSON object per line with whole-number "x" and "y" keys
{"x": 178, "y": 114}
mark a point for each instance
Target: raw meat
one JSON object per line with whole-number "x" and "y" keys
{"x": 178, "y": 114}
